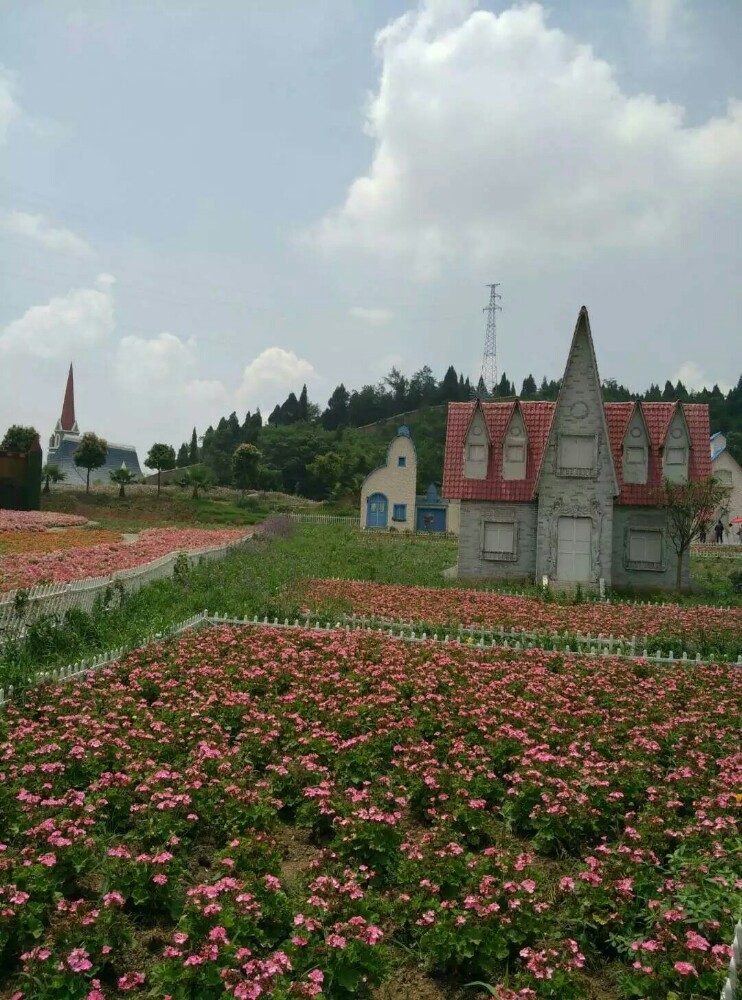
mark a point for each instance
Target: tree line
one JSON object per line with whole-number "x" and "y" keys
{"x": 325, "y": 453}
{"x": 322, "y": 454}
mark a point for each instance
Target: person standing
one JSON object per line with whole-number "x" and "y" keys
{"x": 719, "y": 531}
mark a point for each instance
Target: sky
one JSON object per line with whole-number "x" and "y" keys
{"x": 204, "y": 205}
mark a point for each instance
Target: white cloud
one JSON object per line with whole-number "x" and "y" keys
{"x": 694, "y": 377}
{"x": 143, "y": 362}
{"x": 73, "y": 322}
{"x": 274, "y": 372}
{"x": 374, "y": 316}
{"x": 37, "y": 229}
{"x": 499, "y": 139}
{"x": 9, "y": 110}
{"x": 202, "y": 390}
{"x": 657, "y": 16}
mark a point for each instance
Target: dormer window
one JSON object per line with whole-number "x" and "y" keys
{"x": 515, "y": 448}
{"x": 476, "y": 447}
{"x": 636, "y": 450}
{"x": 675, "y": 452}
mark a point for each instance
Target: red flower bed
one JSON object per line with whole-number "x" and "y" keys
{"x": 456, "y": 606}
{"x": 37, "y": 520}
{"x": 30, "y": 569}
{"x": 510, "y": 818}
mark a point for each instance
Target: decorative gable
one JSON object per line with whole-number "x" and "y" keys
{"x": 579, "y": 445}
{"x": 476, "y": 447}
{"x": 515, "y": 447}
{"x": 676, "y": 448}
{"x": 635, "y": 449}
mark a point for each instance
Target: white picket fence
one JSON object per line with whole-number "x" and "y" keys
{"x": 323, "y": 519}
{"x": 731, "y": 987}
{"x": 20, "y": 608}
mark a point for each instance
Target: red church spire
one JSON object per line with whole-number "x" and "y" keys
{"x": 68, "y": 407}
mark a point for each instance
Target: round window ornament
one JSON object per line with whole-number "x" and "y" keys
{"x": 516, "y": 431}
{"x": 476, "y": 430}
{"x": 636, "y": 432}
{"x": 578, "y": 409}
{"x": 676, "y": 432}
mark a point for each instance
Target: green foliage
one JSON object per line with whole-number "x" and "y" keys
{"x": 18, "y": 438}
{"x": 245, "y": 464}
{"x": 51, "y": 474}
{"x": 198, "y": 478}
{"x": 689, "y": 507}
{"x": 90, "y": 454}
{"x": 160, "y": 456}
{"x": 122, "y": 478}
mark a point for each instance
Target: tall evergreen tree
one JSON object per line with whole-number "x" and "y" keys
{"x": 193, "y": 449}
{"x": 336, "y": 414}
{"x": 529, "y": 388}
{"x": 303, "y": 404}
{"x": 182, "y": 457}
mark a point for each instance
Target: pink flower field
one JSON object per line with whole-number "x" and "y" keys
{"x": 37, "y": 520}
{"x": 30, "y": 569}
{"x": 285, "y": 813}
{"x": 456, "y": 606}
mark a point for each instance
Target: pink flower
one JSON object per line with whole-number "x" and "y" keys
{"x": 159, "y": 879}
{"x": 685, "y": 969}
{"x": 336, "y": 941}
{"x": 79, "y": 960}
{"x": 49, "y": 860}
{"x": 130, "y": 981}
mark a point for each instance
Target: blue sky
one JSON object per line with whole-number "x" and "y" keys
{"x": 205, "y": 205}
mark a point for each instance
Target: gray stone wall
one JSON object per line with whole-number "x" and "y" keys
{"x": 471, "y": 564}
{"x": 624, "y": 574}
{"x": 580, "y": 412}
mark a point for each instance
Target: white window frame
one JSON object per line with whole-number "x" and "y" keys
{"x": 480, "y": 451}
{"x": 636, "y": 533}
{"x": 500, "y": 554}
{"x": 587, "y": 443}
{"x": 521, "y": 453}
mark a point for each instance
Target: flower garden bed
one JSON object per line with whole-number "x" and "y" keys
{"x": 61, "y": 566}
{"x": 258, "y": 812}
{"x": 17, "y": 542}
{"x": 37, "y": 520}
{"x": 688, "y": 624}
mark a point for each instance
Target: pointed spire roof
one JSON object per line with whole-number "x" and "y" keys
{"x": 67, "y": 419}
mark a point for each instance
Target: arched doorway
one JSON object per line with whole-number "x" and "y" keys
{"x": 377, "y": 508}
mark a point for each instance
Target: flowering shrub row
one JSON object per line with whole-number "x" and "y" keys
{"x": 37, "y": 520}
{"x": 455, "y": 606}
{"x": 28, "y": 570}
{"x": 54, "y": 541}
{"x": 500, "y": 815}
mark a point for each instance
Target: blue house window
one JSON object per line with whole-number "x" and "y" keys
{"x": 402, "y": 461}
{"x": 400, "y": 512}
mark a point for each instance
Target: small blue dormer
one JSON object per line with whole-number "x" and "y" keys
{"x": 404, "y": 431}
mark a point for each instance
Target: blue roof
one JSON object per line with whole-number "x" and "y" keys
{"x": 117, "y": 454}
{"x": 715, "y": 454}
{"x": 715, "y": 435}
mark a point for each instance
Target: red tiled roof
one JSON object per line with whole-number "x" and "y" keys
{"x": 537, "y": 417}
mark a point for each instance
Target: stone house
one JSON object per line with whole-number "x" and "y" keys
{"x": 729, "y": 472}
{"x": 388, "y": 499}
{"x": 566, "y": 490}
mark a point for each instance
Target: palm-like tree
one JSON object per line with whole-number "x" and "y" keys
{"x": 199, "y": 478}
{"x": 51, "y": 474}
{"x": 122, "y": 477}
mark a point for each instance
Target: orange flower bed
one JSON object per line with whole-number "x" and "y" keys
{"x": 12, "y": 542}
